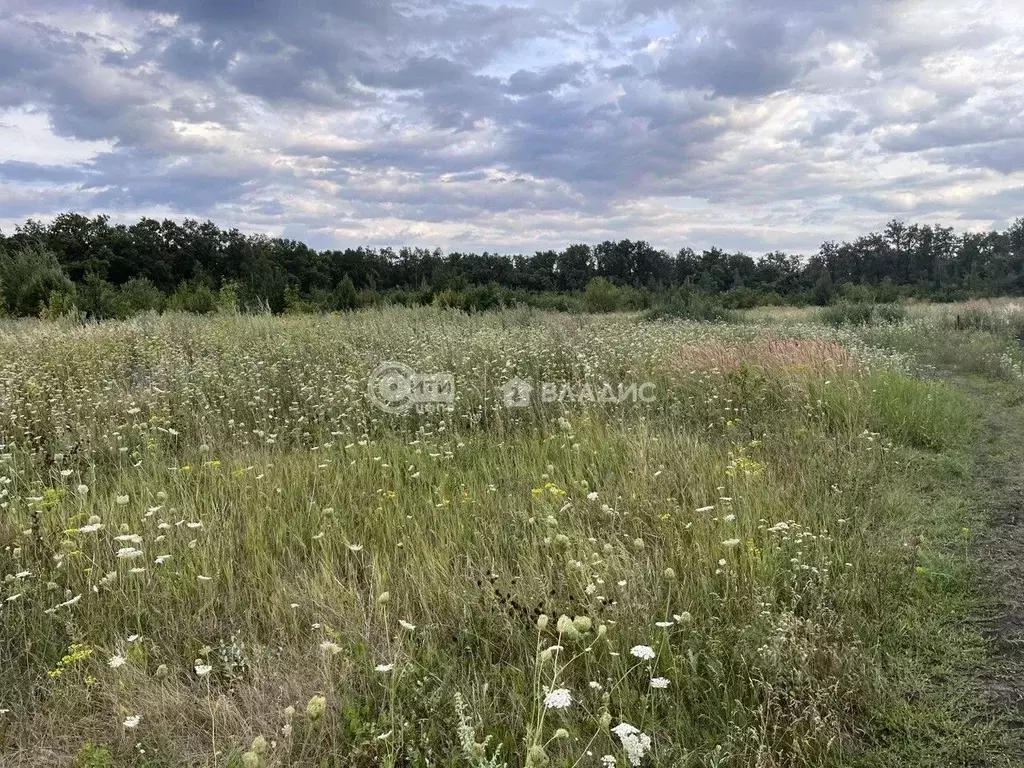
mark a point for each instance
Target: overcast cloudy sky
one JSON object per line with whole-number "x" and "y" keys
{"x": 516, "y": 126}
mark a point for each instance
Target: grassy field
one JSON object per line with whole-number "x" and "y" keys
{"x": 216, "y": 550}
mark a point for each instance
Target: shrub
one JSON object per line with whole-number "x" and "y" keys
{"x": 601, "y": 295}
{"x": 140, "y": 295}
{"x": 27, "y": 279}
{"x": 862, "y": 313}
{"x": 689, "y": 305}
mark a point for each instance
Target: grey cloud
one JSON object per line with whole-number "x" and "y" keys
{"x": 577, "y": 117}
{"x": 16, "y": 170}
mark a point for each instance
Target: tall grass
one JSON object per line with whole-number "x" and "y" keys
{"x": 208, "y": 526}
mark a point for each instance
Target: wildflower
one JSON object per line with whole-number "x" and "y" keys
{"x": 69, "y": 603}
{"x": 643, "y": 652}
{"x": 730, "y": 543}
{"x": 384, "y": 667}
{"x": 161, "y": 672}
{"x": 659, "y": 682}
{"x": 582, "y": 623}
{"x": 560, "y": 698}
{"x": 355, "y": 547}
{"x": 116, "y": 661}
{"x": 536, "y": 757}
{"x": 128, "y": 553}
{"x": 547, "y": 653}
{"x": 330, "y": 647}
{"x": 161, "y": 559}
{"x": 122, "y": 500}
{"x": 131, "y": 721}
{"x": 204, "y": 578}
{"x": 635, "y": 743}
{"x": 90, "y": 528}
{"x": 542, "y": 622}
{"x": 670, "y": 574}
{"x": 83, "y": 489}
{"x": 315, "y": 707}
{"x": 202, "y": 669}
{"x": 592, "y": 496}
{"x": 406, "y": 625}
{"x": 383, "y": 598}
{"x": 608, "y": 761}
{"x": 561, "y": 733}
{"x": 682, "y": 618}
{"x": 664, "y": 624}
{"x": 133, "y": 538}
{"x": 705, "y": 509}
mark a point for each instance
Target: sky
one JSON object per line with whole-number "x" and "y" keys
{"x": 753, "y": 125}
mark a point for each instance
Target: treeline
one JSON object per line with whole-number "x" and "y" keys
{"x": 112, "y": 270}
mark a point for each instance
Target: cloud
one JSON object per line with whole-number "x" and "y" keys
{"x": 521, "y": 125}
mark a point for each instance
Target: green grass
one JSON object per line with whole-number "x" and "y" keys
{"x": 785, "y": 540}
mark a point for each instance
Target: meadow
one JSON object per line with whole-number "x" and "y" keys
{"x": 216, "y": 550}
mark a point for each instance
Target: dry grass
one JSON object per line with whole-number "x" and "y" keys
{"x": 817, "y": 357}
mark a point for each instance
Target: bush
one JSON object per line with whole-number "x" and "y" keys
{"x": 862, "y": 313}
{"x": 141, "y": 295}
{"x": 27, "y": 279}
{"x": 99, "y": 299}
{"x": 601, "y": 295}
{"x": 684, "y": 304}
{"x": 198, "y": 298}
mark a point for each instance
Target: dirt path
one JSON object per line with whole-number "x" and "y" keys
{"x": 1000, "y": 474}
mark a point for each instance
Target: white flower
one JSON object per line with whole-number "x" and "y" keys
{"x": 116, "y": 661}
{"x": 132, "y": 538}
{"x": 705, "y": 509}
{"x": 608, "y": 761}
{"x": 664, "y": 624}
{"x": 194, "y": 525}
{"x": 161, "y": 559}
{"x": 202, "y": 669}
{"x": 133, "y": 638}
{"x": 635, "y": 743}
{"x": 730, "y": 543}
{"x": 355, "y": 547}
{"x": 384, "y": 667}
{"x": 128, "y": 553}
{"x": 659, "y": 682}
{"x": 131, "y": 721}
{"x": 406, "y": 625}
{"x": 330, "y": 647}
{"x": 69, "y": 603}
{"x": 642, "y": 652}
{"x": 83, "y": 489}
{"x": 204, "y": 578}
{"x": 592, "y": 495}
{"x": 122, "y": 500}
{"x": 90, "y": 528}
{"x": 560, "y": 698}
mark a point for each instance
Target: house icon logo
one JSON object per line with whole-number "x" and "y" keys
{"x": 515, "y": 393}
